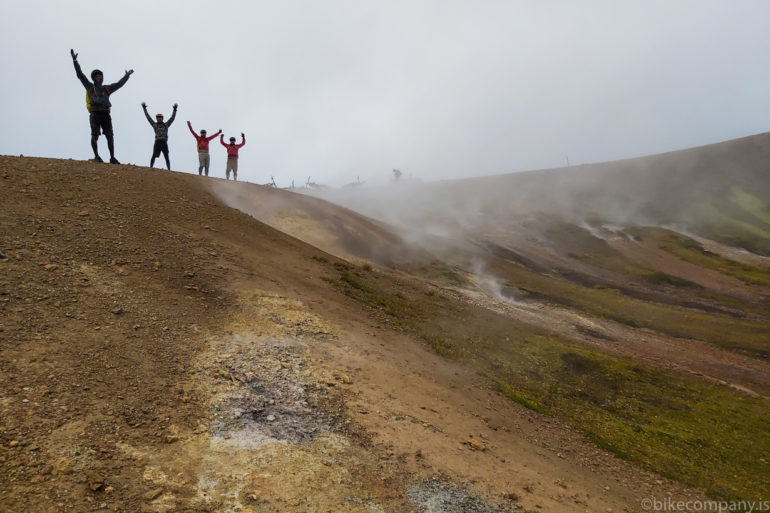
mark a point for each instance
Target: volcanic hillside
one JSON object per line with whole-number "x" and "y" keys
{"x": 161, "y": 351}
{"x": 661, "y": 259}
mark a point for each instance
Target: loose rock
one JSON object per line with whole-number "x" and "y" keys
{"x": 476, "y": 445}
{"x": 95, "y": 481}
{"x": 153, "y": 494}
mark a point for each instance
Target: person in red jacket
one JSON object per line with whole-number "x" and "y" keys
{"x": 232, "y": 154}
{"x": 203, "y": 148}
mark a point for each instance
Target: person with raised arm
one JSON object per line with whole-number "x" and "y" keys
{"x": 232, "y": 155}
{"x": 161, "y": 134}
{"x": 202, "y": 143}
{"x": 98, "y": 105}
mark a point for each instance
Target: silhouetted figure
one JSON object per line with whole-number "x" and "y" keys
{"x": 98, "y": 104}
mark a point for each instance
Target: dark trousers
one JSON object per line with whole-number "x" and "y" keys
{"x": 101, "y": 122}
{"x": 160, "y": 147}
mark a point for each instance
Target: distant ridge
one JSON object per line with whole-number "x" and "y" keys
{"x": 720, "y": 191}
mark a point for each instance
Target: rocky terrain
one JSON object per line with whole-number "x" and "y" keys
{"x": 162, "y": 351}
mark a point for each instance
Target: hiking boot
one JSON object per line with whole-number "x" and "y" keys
{"x": 98, "y": 159}
{"x": 113, "y": 160}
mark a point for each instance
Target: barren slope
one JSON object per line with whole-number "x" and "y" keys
{"x": 163, "y": 352}
{"x": 331, "y": 228}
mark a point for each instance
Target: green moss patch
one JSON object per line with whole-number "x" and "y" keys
{"x": 683, "y": 427}
{"x": 693, "y": 251}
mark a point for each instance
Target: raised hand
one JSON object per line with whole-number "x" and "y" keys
{"x": 243, "y": 135}
{"x": 176, "y": 105}
{"x": 129, "y": 71}
{"x": 144, "y": 105}
{"x": 73, "y": 54}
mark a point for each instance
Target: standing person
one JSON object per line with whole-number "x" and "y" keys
{"x": 161, "y": 135}
{"x": 203, "y": 148}
{"x": 98, "y": 104}
{"x": 232, "y": 154}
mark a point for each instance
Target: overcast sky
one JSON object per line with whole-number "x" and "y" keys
{"x": 345, "y": 89}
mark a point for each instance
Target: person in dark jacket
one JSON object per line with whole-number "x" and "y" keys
{"x": 98, "y": 104}
{"x": 161, "y": 135}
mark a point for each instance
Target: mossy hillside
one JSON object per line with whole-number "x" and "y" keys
{"x": 729, "y": 224}
{"x": 682, "y": 427}
{"x": 640, "y": 282}
{"x": 685, "y": 428}
{"x": 688, "y": 429}
{"x": 693, "y": 251}
{"x": 722, "y": 211}
{"x": 750, "y": 204}
{"x": 729, "y": 332}
{"x": 579, "y": 243}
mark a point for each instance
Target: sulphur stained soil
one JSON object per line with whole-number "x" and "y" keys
{"x": 279, "y": 435}
{"x": 306, "y": 414}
